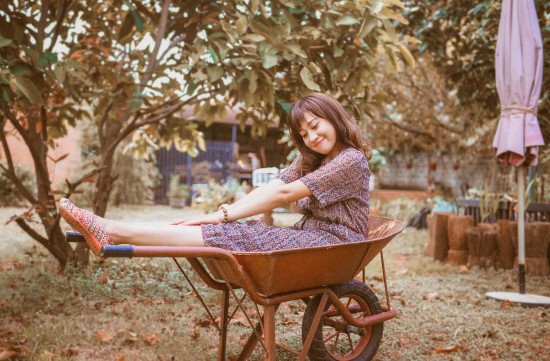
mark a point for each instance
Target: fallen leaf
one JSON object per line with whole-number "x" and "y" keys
{"x": 104, "y": 336}
{"x": 463, "y": 269}
{"x": 449, "y": 349}
{"x": 103, "y": 279}
{"x": 205, "y": 322}
{"x": 196, "y": 332}
{"x": 431, "y": 296}
{"x": 68, "y": 352}
{"x": 506, "y": 304}
{"x": 152, "y": 339}
{"x": 121, "y": 358}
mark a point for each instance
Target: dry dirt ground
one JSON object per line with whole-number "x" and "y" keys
{"x": 142, "y": 309}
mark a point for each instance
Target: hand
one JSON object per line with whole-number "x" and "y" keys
{"x": 212, "y": 218}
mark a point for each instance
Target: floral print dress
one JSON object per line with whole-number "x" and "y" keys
{"x": 337, "y": 212}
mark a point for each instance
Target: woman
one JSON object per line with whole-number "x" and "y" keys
{"x": 329, "y": 180}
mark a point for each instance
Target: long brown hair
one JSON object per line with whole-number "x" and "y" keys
{"x": 324, "y": 106}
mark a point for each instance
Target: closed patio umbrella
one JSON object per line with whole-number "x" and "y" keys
{"x": 519, "y": 66}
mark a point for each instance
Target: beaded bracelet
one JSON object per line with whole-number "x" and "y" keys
{"x": 225, "y": 213}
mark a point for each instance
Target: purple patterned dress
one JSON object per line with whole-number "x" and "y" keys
{"x": 337, "y": 212}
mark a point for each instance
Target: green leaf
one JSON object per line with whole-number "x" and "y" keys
{"x": 213, "y": 54}
{"x": 270, "y": 60}
{"x": 29, "y": 90}
{"x": 126, "y": 28}
{"x": 138, "y": 20}
{"x": 255, "y": 38}
{"x": 4, "y": 42}
{"x": 21, "y": 69}
{"x": 347, "y": 20}
{"x": 33, "y": 54}
{"x": 368, "y": 24}
{"x": 307, "y": 78}
{"x": 214, "y": 73}
{"x": 73, "y": 64}
{"x": 253, "y": 82}
{"x": 135, "y": 104}
{"x": 297, "y": 49}
{"x": 60, "y": 73}
{"x": 407, "y": 55}
{"x": 46, "y": 59}
{"x": 241, "y": 24}
{"x": 286, "y": 106}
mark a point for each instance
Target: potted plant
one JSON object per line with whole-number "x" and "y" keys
{"x": 178, "y": 192}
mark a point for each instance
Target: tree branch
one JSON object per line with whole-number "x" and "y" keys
{"x": 13, "y": 120}
{"x": 410, "y": 130}
{"x": 62, "y": 11}
{"x": 31, "y": 232}
{"x": 153, "y": 61}
{"x": 42, "y": 25}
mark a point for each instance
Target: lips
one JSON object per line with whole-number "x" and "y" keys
{"x": 319, "y": 142}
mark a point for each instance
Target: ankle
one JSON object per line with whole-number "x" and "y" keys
{"x": 115, "y": 230}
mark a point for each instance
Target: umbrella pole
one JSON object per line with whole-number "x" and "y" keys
{"x": 521, "y": 228}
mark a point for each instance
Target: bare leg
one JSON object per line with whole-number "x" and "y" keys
{"x": 98, "y": 231}
{"x": 154, "y": 234}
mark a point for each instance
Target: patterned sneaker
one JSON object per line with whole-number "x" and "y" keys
{"x": 92, "y": 227}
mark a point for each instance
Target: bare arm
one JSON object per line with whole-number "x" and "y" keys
{"x": 262, "y": 199}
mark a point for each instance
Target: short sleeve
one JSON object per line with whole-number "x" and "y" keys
{"x": 342, "y": 178}
{"x": 293, "y": 172}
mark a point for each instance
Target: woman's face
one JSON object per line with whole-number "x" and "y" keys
{"x": 320, "y": 135}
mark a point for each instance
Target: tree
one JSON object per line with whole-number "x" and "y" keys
{"x": 460, "y": 37}
{"x": 139, "y": 64}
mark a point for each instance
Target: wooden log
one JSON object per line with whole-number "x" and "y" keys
{"x": 537, "y": 243}
{"x": 457, "y": 257}
{"x": 506, "y": 252}
{"x": 457, "y": 227}
{"x": 473, "y": 238}
{"x": 487, "y": 249}
{"x": 429, "y": 249}
{"x": 441, "y": 235}
{"x": 458, "y": 245}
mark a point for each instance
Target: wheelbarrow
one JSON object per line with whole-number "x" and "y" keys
{"x": 343, "y": 318}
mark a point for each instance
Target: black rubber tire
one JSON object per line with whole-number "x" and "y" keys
{"x": 363, "y": 347}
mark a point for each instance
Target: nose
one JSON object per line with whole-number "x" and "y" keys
{"x": 312, "y": 136}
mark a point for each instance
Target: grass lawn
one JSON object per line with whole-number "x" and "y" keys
{"x": 142, "y": 309}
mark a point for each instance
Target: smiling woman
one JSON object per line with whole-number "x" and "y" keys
{"x": 329, "y": 181}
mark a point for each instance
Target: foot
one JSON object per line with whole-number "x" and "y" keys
{"x": 92, "y": 227}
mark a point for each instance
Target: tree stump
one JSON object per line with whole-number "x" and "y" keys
{"x": 506, "y": 252}
{"x": 458, "y": 244}
{"x": 440, "y": 235}
{"x": 537, "y": 243}
{"x": 487, "y": 248}
{"x": 429, "y": 249}
{"x": 473, "y": 237}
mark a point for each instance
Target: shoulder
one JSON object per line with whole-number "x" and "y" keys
{"x": 351, "y": 156}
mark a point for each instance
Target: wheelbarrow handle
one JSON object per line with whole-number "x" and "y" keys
{"x": 73, "y": 236}
{"x": 117, "y": 251}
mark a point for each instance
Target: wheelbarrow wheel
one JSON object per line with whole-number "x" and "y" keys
{"x": 334, "y": 338}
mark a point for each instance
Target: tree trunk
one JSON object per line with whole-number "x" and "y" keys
{"x": 46, "y": 207}
{"x": 104, "y": 181}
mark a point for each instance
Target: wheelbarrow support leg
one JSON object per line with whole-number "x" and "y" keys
{"x": 314, "y": 325}
{"x": 223, "y": 325}
{"x": 269, "y": 331}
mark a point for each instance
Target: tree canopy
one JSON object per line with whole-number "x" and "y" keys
{"x": 136, "y": 67}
